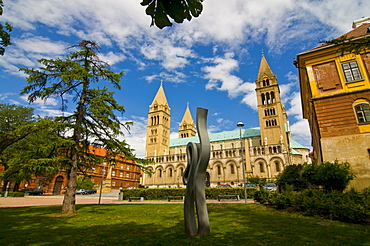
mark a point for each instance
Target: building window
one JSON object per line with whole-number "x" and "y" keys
{"x": 351, "y": 71}
{"x": 277, "y": 166}
{"x": 363, "y": 112}
{"x": 113, "y": 183}
{"x": 218, "y": 170}
{"x": 113, "y": 173}
{"x": 120, "y": 175}
{"x": 232, "y": 169}
{"x": 262, "y": 168}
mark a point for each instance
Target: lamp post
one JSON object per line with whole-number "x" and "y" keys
{"x": 102, "y": 181}
{"x": 240, "y": 125}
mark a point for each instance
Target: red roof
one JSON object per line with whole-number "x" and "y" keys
{"x": 360, "y": 31}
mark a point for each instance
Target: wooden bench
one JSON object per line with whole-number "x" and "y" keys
{"x": 174, "y": 197}
{"x": 141, "y": 199}
{"x": 228, "y": 196}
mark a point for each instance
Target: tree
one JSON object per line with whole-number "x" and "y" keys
{"x": 351, "y": 45}
{"x": 14, "y": 126}
{"x": 29, "y": 146}
{"x": 260, "y": 182}
{"x": 94, "y": 121}
{"x": 332, "y": 176}
{"x": 291, "y": 175}
{"x": 84, "y": 182}
{"x": 37, "y": 156}
{"x": 4, "y": 32}
{"x": 178, "y": 10}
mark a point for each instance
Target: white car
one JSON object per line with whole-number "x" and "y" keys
{"x": 270, "y": 187}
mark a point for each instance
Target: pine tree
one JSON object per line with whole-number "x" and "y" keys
{"x": 94, "y": 121}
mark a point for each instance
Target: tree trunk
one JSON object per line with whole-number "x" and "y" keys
{"x": 5, "y": 184}
{"x": 69, "y": 201}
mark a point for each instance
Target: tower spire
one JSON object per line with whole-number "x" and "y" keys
{"x": 158, "y": 128}
{"x": 187, "y": 127}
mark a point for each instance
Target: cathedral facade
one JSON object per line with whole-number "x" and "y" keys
{"x": 265, "y": 150}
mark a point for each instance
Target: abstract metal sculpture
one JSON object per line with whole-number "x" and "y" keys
{"x": 194, "y": 178}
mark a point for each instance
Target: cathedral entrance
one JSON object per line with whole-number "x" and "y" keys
{"x": 58, "y": 185}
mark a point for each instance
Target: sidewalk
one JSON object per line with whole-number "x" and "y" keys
{"x": 80, "y": 199}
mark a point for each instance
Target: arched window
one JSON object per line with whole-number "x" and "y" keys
{"x": 267, "y": 82}
{"x": 232, "y": 169}
{"x": 268, "y": 99}
{"x": 272, "y": 111}
{"x": 362, "y": 110}
{"x": 263, "y": 99}
{"x": 170, "y": 172}
{"x": 160, "y": 173}
{"x": 272, "y": 94}
{"x": 277, "y": 166}
{"x": 218, "y": 170}
{"x": 262, "y": 168}
{"x": 264, "y": 83}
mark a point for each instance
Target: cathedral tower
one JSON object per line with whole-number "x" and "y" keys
{"x": 187, "y": 127}
{"x": 271, "y": 112}
{"x": 158, "y": 129}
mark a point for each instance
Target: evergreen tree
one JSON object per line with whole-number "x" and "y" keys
{"x": 94, "y": 121}
{"x": 4, "y": 32}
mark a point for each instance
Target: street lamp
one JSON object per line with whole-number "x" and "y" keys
{"x": 102, "y": 181}
{"x": 240, "y": 125}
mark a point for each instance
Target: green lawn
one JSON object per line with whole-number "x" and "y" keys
{"x": 162, "y": 224}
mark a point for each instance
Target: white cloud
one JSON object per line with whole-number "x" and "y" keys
{"x": 111, "y": 58}
{"x": 137, "y": 136}
{"x": 220, "y": 77}
{"x": 301, "y": 132}
{"x": 175, "y": 77}
{"x": 41, "y": 45}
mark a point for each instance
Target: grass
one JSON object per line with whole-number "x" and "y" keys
{"x": 163, "y": 224}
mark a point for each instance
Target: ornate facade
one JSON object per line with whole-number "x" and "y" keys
{"x": 266, "y": 150}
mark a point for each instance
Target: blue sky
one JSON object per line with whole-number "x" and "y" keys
{"x": 211, "y": 61}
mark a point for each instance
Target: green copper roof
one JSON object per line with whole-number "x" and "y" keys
{"x": 220, "y": 136}
{"x": 230, "y": 135}
{"x": 295, "y": 145}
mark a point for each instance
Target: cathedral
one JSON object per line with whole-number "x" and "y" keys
{"x": 265, "y": 150}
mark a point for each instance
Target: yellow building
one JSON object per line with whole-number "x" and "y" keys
{"x": 335, "y": 90}
{"x": 267, "y": 149}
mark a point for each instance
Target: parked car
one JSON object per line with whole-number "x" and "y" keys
{"x": 80, "y": 192}
{"x": 223, "y": 186}
{"x": 250, "y": 186}
{"x": 35, "y": 192}
{"x": 270, "y": 187}
{"x": 91, "y": 191}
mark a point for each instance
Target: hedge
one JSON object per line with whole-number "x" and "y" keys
{"x": 164, "y": 193}
{"x": 352, "y": 206}
{"x": 12, "y": 194}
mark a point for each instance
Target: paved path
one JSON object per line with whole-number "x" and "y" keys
{"x": 105, "y": 199}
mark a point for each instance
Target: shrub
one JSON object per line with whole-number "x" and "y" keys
{"x": 163, "y": 193}
{"x": 350, "y": 207}
{"x": 12, "y": 194}
{"x": 262, "y": 196}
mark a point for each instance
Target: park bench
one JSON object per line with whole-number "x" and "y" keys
{"x": 228, "y": 196}
{"x": 174, "y": 197}
{"x": 141, "y": 199}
